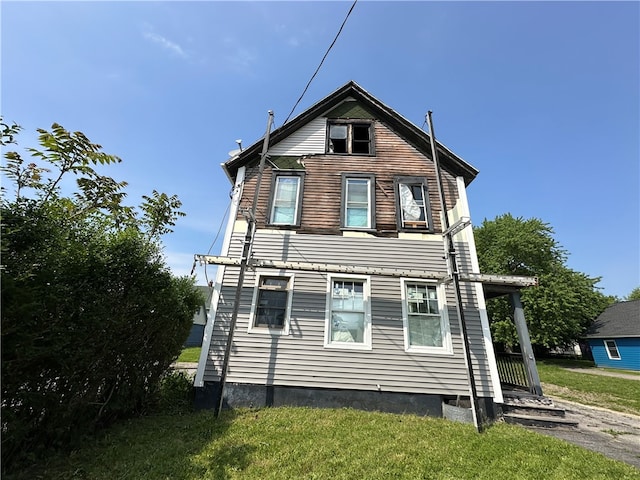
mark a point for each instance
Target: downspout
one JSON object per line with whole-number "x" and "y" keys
{"x": 455, "y": 275}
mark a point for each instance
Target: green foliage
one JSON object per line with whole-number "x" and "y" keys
{"x": 558, "y": 311}
{"x": 514, "y": 246}
{"x": 291, "y": 443}
{"x": 174, "y": 394}
{"x": 92, "y": 317}
{"x": 635, "y": 294}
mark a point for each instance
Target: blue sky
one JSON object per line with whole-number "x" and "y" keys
{"x": 543, "y": 98}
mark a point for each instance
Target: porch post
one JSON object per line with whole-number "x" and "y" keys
{"x": 525, "y": 343}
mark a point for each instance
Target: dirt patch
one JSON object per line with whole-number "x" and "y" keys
{"x": 606, "y": 373}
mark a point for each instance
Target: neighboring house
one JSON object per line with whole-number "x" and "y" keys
{"x": 199, "y": 319}
{"x": 360, "y": 310}
{"x": 614, "y": 338}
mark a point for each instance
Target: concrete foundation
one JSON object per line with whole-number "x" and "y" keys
{"x": 257, "y": 396}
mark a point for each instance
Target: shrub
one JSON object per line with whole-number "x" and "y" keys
{"x": 92, "y": 317}
{"x": 174, "y": 394}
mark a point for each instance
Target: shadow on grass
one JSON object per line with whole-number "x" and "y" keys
{"x": 217, "y": 457}
{"x": 181, "y": 447}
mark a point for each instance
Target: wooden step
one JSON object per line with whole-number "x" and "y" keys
{"x": 532, "y": 409}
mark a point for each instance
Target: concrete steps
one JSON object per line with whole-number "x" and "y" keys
{"x": 530, "y": 410}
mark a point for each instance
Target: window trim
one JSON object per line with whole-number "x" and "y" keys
{"x": 298, "y": 213}
{"x": 253, "y": 328}
{"x": 350, "y": 123}
{"x": 615, "y": 346}
{"x": 366, "y": 298}
{"x": 447, "y": 345}
{"x": 427, "y": 204}
{"x": 372, "y": 201}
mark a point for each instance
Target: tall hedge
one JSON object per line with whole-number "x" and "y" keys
{"x": 91, "y": 315}
{"x": 90, "y": 322}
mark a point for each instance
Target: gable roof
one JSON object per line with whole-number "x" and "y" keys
{"x": 403, "y": 127}
{"x": 621, "y": 319}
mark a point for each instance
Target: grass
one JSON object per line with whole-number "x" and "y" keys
{"x": 302, "y": 443}
{"x": 614, "y": 393}
{"x": 190, "y": 355}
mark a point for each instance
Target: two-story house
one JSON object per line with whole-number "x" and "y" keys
{"x": 352, "y": 304}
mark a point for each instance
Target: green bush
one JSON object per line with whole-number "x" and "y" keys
{"x": 91, "y": 321}
{"x": 91, "y": 315}
{"x": 174, "y": 395}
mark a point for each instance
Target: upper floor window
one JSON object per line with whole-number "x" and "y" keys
{"x": 426, "y": 326}
{"x": 412, "y": 203}
{"x": 285, "y": 201}
{"x": 350, "y": 138}
{"x": 271, "y": 304}
{"x": 358, "y": 198}
{"x": 348, "y": 313}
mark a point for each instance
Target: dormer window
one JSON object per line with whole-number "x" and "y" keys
{"x": 350, "y": 138}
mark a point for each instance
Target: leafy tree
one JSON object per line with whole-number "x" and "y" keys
{"x": 92, "y": 316}
{"x": 635, "y": 294}
{"x": 564, "y": 304}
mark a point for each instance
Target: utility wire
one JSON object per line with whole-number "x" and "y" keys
{"x": 321, "y": 61}
{"x": 206, "y": 276}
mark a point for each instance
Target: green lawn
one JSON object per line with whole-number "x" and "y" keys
{"x": 301, "y": 443}
{"x": 613, "y": 393}
{"x": 190, "y": 354}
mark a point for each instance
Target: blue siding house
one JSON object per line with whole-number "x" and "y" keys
{"x": 614, "y": 337}
{"x": 199, "y": 319}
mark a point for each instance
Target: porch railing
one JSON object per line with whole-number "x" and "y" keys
{"x": 512, "y": 371}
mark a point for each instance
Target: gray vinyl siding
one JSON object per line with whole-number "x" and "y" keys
{"x": 300, "y": 358}
{"x": 309, "y": 139}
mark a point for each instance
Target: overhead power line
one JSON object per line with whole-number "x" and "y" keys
{"x": 321, "y": 61}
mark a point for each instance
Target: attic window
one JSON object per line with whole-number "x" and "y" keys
{"x": 350, "y": 138}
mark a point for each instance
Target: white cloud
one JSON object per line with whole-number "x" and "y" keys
{"x": 237, "y": 55}
{"x": 166, "y": 43}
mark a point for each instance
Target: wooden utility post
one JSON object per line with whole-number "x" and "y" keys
{"x": 244, "y": 261}
{"x": 450, "y": 252}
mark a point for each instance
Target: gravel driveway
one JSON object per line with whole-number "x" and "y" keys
{"x": 615, "y": 435}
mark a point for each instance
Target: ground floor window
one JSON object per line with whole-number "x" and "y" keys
{"x": 426, "y": 326}
{"x": 348, "y": 313}
{"x": 271, "y": 304}
{"x": 612, "y": 349}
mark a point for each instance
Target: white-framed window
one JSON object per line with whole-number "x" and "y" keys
{"x": 286, "y": 188}
{"x": 358, "y": 201}
{"x": 348, "y": 312}
{"x": 271, "y": 305}
{"x": 612, "y": 349}
{"x": 348, "y": 137}
{"x": 425, "y": 319}
{"x": 413, "y": 208}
